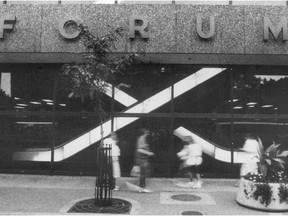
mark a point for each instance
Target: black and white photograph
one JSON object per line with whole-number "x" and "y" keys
{"x": 144, "y": 107}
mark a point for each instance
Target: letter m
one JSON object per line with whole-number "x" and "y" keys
{"x": 282, "y": 26}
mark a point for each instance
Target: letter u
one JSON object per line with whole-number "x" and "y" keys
{"x": 211, "y": 29}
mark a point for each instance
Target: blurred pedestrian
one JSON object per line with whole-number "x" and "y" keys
{"x": 115, "y": 153}
{"x": 142, "y": 157}
{"x": 191, "y": 156}
{"x": 253, "y": 145}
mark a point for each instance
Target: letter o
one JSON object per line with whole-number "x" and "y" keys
{"x": 62, "y": 31}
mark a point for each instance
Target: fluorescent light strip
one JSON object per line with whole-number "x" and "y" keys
{"x": 37, "y": 123}
{"x": 253, "y": 123}
{"x": 19, "y": 107}
{"x": 148, "y": 105}
{"x": 47, "y": 100}
{"x": 251, "y": 103}
{"x": 22, "y": 104}
{"x": 35, "y": 102}
{"x": 222, "y": 154}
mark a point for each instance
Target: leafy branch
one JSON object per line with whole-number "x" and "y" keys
{"x": 89, "y": 77}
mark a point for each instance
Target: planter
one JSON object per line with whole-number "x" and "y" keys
{"x": 263, "y": 196}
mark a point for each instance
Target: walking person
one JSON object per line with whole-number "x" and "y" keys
{"x": 142, "y": 157}
{"x": 253, "y": 145}
{"x": 191, "y": 155}
{"x": 115, "y": 153}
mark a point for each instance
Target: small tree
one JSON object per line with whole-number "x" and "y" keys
{"x": 88, "y": 80}
{"x": 90, "y": 76}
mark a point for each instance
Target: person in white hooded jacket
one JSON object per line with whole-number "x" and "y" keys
{"x": 191, "y": 155}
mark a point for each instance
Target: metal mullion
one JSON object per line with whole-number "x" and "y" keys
{"x": 171, "y": 138}
{"x": 54, "y": 122}
{"x": 112, "y": 108}
{"x": 232, "y": 118}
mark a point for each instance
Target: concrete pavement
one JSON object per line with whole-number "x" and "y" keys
{"x": 50, "y": 195}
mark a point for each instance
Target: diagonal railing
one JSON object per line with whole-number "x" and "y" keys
{"x": 87, "y": 139}
{"x": 120, "y": 96}
{"x": 216, "y": 151}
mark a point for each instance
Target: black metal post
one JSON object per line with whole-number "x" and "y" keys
{"x": 103, "y": 184}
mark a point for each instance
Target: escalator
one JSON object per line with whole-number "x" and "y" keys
{"x": 92, "y": 136}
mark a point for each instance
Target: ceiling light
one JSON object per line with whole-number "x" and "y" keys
{"x": 251, "y": 103}
{"x": 33, "y": 123}
{"x": 34, "y": 102}
{"x": 21, "y": 104}
{"x": 19, "y": 107}
{"x": 238, "y": 107}
{"x": 47, "y": 100}
{"x": 267, "y": 106}
{"x": 234, "y": 100}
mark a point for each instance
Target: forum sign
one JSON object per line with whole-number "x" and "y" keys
{"x": 139, "y": 27}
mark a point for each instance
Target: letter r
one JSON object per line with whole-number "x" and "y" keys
{"x": 138, "y": 28}
{"x": 5, "y": 25}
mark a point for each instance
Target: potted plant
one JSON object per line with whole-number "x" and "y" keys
{"x": 268, "y": 189}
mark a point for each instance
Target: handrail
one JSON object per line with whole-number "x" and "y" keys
{"x": 216, "y": 151}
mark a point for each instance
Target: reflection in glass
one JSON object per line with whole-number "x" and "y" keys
{"x": 219, "y": 105}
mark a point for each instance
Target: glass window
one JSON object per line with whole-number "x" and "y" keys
{"x": 218, "y": 105}
{"x": 27, "y": 96}
{"x": 202, "y": 90}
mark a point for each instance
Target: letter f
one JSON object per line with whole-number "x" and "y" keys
{"x": 4, "y": 24}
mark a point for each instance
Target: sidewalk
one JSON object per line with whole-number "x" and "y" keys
{"x": 55, "y": 195}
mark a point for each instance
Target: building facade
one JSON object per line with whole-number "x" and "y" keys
{"x": 216, "y": 70}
